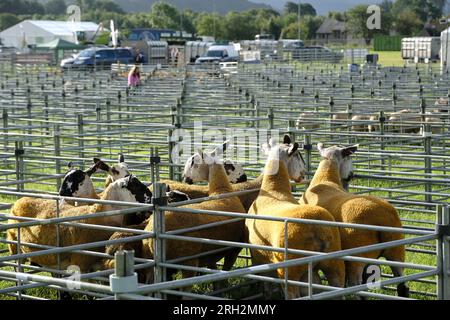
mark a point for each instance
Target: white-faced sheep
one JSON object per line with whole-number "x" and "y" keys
{"x": 128, "y": 189}
{"x": 218, "y": 184}
{"x": 276, "y": 199}
{"x": 197, "y": 172}
{"x": 326, "y": 190}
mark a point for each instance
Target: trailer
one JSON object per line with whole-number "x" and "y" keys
{"x": 196, "y": 49}
{"x": 445, "y": 46}
{"x": 421, "y": 49}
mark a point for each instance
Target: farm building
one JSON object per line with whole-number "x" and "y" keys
{"x": 332, "y": 29}
{"x": 35, "y": 32}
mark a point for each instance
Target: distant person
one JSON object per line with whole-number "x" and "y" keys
{"x": 139, "y": 57}
{"x": 134, "y": 77}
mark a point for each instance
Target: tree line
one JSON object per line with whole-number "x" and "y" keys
{"x": 405, "y": 17}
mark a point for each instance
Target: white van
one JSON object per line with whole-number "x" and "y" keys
{"x": 219, "y": 53}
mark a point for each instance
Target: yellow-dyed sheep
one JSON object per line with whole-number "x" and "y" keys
{"x": 326, "y": 190}
{"x": 276, "y": 199}
{"x": 218, "y": 184}
{"x": 128, "y": 189}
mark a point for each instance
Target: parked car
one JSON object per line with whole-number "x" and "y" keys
{"x": 67, "y": 62}
{"x": 101, "y": 57}
{"x": 219, "y": 53}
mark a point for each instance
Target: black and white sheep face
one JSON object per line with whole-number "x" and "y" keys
{"x": 289, "y": 154}
{"x": 196, "y": 167}
{"x": 130, "y": 189}
{"x": 117, "y": 171}
{"x": 78, "y": 184}
{"x": 342, "y": 156}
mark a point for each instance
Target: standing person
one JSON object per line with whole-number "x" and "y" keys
{"x": 139, "y": 57}
{"x": 134, "y": 77}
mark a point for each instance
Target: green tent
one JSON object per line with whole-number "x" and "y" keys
{"x": 59, "y": 44}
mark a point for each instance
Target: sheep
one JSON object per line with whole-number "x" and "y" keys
{"x": 326, "y": 190}
{"x": 276, "y": 199}
{"x": 78, "y": 183}
{"x": 194, "y": 172}
{"x": 118, "y": 170}
{"x": 361, "y": 127}
{"x": 405, "y": 121}
{"x": 306, "y": 121}
{"x": 218, "y": 184}
{"x": 128, "y": 189}
{"x": 200, "y": 191}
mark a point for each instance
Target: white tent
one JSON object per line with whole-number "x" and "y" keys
{"x": 35, "y": 32}
{"x": 445, "y": 49}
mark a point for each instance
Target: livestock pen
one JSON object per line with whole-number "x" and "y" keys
{"x": 50, "y": 118}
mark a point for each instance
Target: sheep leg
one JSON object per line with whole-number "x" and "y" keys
{"x": 304, "y": 291}
{"x": 402, "y": 288}
{"x": 334, "y": 271}
{"x": 228, "y": 263}
{"x": 354, "y": 272}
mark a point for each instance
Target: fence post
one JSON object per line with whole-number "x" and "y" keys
{"x": 98, "y": 110}
{"x": 80, "y": 139}
{"x": 270, "y": 116}
{"x": 57, "y": 141}
{"x": 428, "y": 161}
{"x": 159, "y": 199}
{"x": 5, "y": 128}
{"x": 19, "y": 152}
{"x": 443, "y": 251}
{"x": 46, "y": 116}
{"x": 308, "y": 148}
{"x": 124, "y": 279}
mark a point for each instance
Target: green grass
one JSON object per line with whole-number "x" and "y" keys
{"x": 390, "y": 58}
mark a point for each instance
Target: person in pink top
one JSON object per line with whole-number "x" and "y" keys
{"x": 134, "y": 77}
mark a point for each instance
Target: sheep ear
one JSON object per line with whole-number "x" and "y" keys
{"x": 102, "y": 166}
{"x": 96, "y": 160}
{"x": 121, "y": 158}
{"x": 92, "y": 170}
{"x": 265, "y": 149}
{"x": 272, "y": 142}
{"x": 321, "y": 149}
{"x": 293, "y": 148}
{"x": 220, "y": 150}
{"x": 349, "y": 151}
{"x": 287, "y": 139}
{"x": 70, "y": 165}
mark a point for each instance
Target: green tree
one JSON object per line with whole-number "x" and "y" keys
{"x": 163, "y": 15}
{"x": 425, "y": 9}
{"x": 55, "y": 7}
{"x": 240, "y": 26}
{"x": 408, "y": 23}
{"x": 308, "y": 27}
{"x": 210, "y": 24}
{"x": 306, "y": 9}
{"x": 8, "y": 20}
{"x": 356, "y": 23}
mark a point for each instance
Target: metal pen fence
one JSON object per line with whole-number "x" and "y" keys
{"x": 51, "y": 118}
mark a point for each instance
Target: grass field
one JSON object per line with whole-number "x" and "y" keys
{"x": 390, "y": 58}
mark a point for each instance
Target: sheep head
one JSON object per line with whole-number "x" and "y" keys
{"x": 77, "y": 183}
{"x": 289, "y": 153}
{"x": 116, "y": 171}
{"x": 196, "y": 167}
{"x": 342, "y": 156}
{"x": 130, "y": 189}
